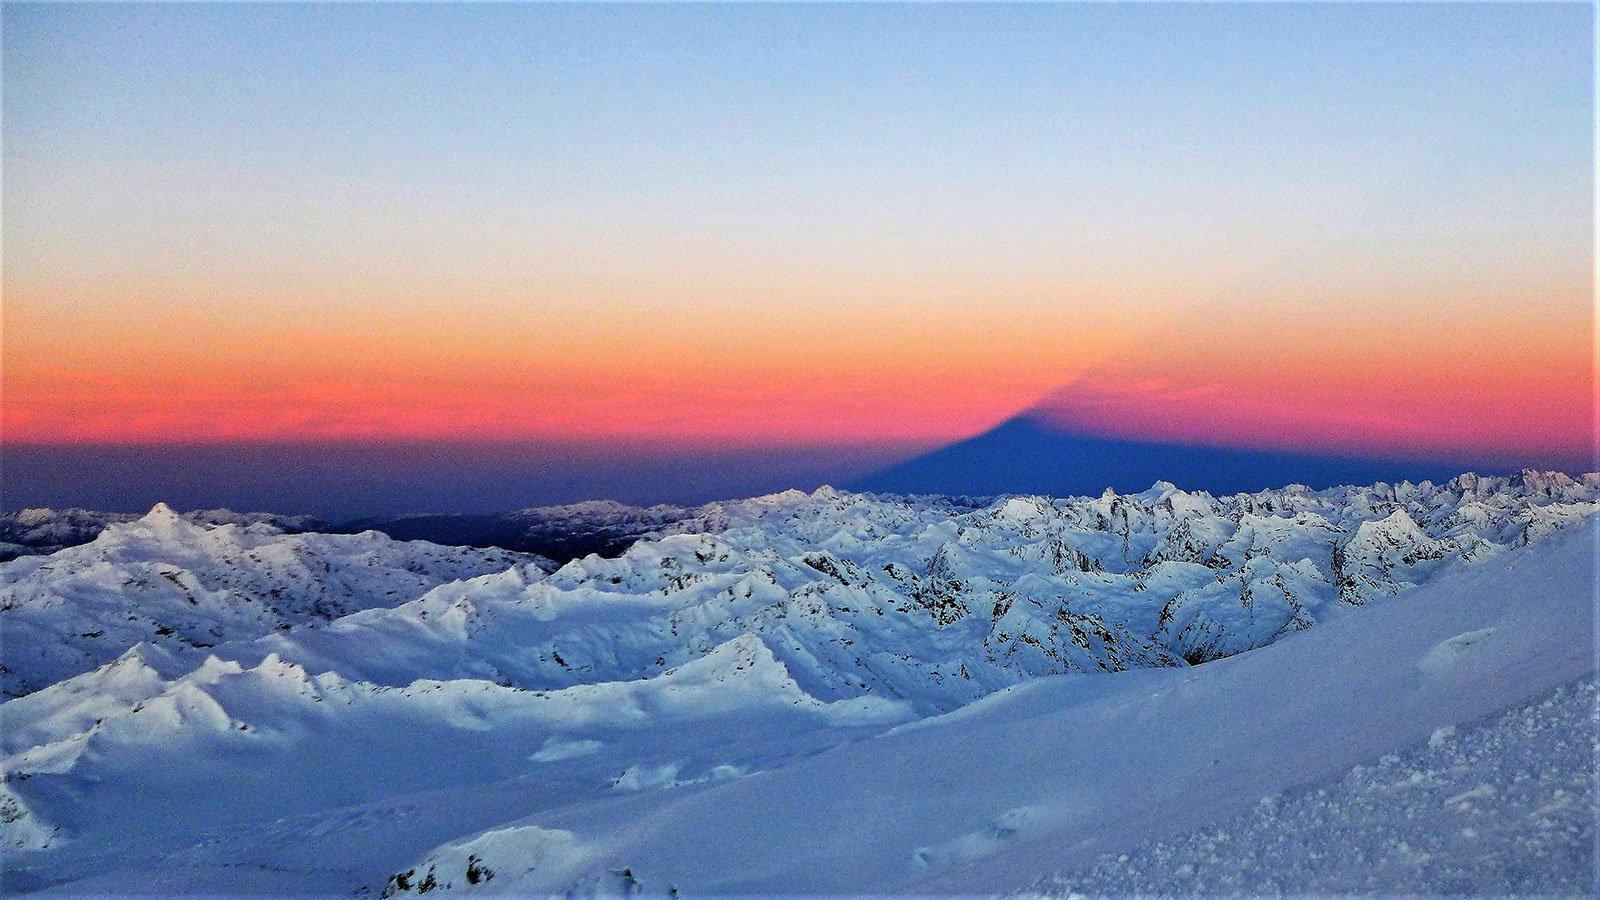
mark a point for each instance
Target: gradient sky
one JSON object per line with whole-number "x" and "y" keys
{"x": 1342, "y": 226}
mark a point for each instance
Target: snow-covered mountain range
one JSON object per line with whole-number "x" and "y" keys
{"x": 28, "y": 531}
{"x": 272, "y": 709}
{"x": 559, "y": 532}
{"x": 932, "y": 603}
{"x": 175, "y": 582}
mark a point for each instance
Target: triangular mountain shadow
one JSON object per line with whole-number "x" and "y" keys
{"x": 1027, "y": 455}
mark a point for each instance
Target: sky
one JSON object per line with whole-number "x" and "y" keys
{"x": 1362, "y": 228}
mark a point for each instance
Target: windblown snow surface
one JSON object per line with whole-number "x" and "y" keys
{"x": 1382, "y": 689}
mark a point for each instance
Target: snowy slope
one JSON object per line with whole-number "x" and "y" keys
{"x": 1063, "y": 768}
{"x": 172, "y": 581}
{"x": 1506, "y": 808}
{"x": 219, "y": 752}
{"x": 775, "y": 695}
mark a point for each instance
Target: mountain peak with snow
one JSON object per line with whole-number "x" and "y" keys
{"x": 160, "y": 512}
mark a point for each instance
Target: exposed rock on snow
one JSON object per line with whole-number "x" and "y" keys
{"x": 20, "y": 829}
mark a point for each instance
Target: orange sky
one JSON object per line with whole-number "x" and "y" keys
{"x": 756, "y": 377}
{"x": 1397, "y": 381}
{"x": 824, "y": 227}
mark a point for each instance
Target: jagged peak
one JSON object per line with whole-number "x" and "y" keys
{"x": 162, "y": 522}
{"x": 1394, "y": 525}
{"x": 746, "y": 655}
{"x": 1156, "y": 492}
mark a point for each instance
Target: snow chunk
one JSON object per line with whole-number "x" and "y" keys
{"x": 557, "y": 748}
{"x": 1448, "y": 654}
{"x": 508, "y": 857}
